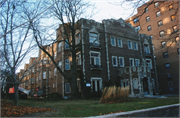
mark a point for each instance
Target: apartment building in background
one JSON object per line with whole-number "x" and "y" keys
{"x": 160, "y": 20}
{"x": 109, "y": 53}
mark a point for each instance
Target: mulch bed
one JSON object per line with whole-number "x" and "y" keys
{"x": 9, "y": 110}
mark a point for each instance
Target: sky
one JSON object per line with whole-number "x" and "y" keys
{"x": 105, "y": 9}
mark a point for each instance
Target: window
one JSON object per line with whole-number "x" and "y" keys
{"x": 67, "y": 88}
{"x": 170, "y": 7}
{"x": 124, "y": 83}
{"x": 44, "y": 75}
{"x": 67, "y": 64}
{"x": 44, "y": 60}
{"x": 136, "y": 20}
{"x": 149, "y": 28}
{"x": 121, "y": 61}
{"x": 175, "y": 28}
{"x": 167, "y": 66}
{"x": 160, "y": 23}
{"x": 55, "y": 71}
{"x": 135, "y": 45}
{"x": 78, "y": 39}
{"x": 163, "y": 44}
{"x": 177, "y": 39}
{"x": 66, "y": 44}
{"x": 59, "y": 47}
{"x": 95, "y": 58}
{"x": 55, "y": 55}
{"x": 146, "y": 10}
{"x": 78, "y": 59}
{"x": 135, "y": 83}
{"x": 156, "y": 4}
{"x": 147, "y": 19}
{"x": 173, "y": 18}
{"x": 32, "y": 80}
{"x": 165, "y": 55}
{"x": 114, "y": 61}
{"x": 49, "y": 73}
{"x": 137, "y": 28}
{"x": 60, "y": 64}
{"x": 146, "y": 49}
{"x": 149, "y": 63}
{"x": 53, "y": 85}
{"x": 129, "y": 44}
{"x": 131, "y": 62}
{"x": 158, "y": 14}
{"x": 137, "y": 62}
{"x": 96, "y": 84}
{"x": 33, "y": 69}
{"x": 93, "y": 39}
{"x": 161, "y": 33}
{"x": 113, "y": 41}
{"x": 120, "y": 42}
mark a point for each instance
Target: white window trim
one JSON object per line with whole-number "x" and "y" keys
{"x": 97, "y": 53}
{"x": 97, "y": 37}
{"x": 69, "y": 86}
{"x": 44, "y": 74}
{"x": 55, "y": 71}
{"x": 114, "y": 40}
{"x": 116, "y": 61}
{"x": 150, "y": 62}
{"x": 138, "y": 62}
{"x": 132, "y": 61}
{"x": 131, "y": 44}
{"x": 96, "y": 79}
{"x": 118, "y": 42}
{"x": 120, "y": 63}
{"x": 136, "y": 45}
{"x": 124, "y": 80}
{"x": 69, "y": 65}
{"x": 78, "y": 53}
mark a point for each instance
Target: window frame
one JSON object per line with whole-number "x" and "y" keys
{"x": 163, "y": 45}
{"x": 78, "y": 58}
{"x": 167, "y": 68}
{"x": 175, "y": 28}
{"x": 116, "y": 61}
{"x": 131, "y": 61}
{"x": 44, "y": 74}
{"x": 158, "y": 13}
{"x": 137, "y": 60}
{"x": 130, "y": 46}
{"x": 149, "y": 63}
{"x": 156, "y": 4}
{"x": 146, "y": 10}
{"x": 149, "y": 28}
{"x": 119, "y": 39}
{"x": 66, "y": 45}
{"x": 60, "y": 47}
{"x": 92, "y": 37}
{"x": 147, "y": 19}
{"x": 160, "y": 23}
{"x": 162, "y": 35}
{"x": 173, "y": 19}
{"x": 68, "y": 88}
{"x": 121, "y": 65}
{"x": 170, "y": 8}
{"x": 95, "y": 79}
{"x": 136, "y": 20}
{"x": 60, "y": 64}
{"x": 114, "y": 41}
{"x": 123, "y": 82}
{"x": 99, "y": 57}
{"x": 67, "y": 64}
{"x": 135, "y": 45}
{"x": 165, "y": 56}
{"x": 55, "y": 71}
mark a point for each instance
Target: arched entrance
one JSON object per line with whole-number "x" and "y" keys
{"x": 145, "y": 86}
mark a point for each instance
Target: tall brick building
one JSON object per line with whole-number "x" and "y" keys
{"x": 160, "y": 20}
{"x": 108, "y": 53}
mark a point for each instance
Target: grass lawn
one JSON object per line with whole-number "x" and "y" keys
{"x": 84, "y": 108}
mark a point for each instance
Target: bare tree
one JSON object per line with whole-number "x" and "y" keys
{"x": 17, "y": 43}
{"x": 67, "y": 12}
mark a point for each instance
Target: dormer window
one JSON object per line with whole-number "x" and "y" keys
{"x": 93, "y": 38}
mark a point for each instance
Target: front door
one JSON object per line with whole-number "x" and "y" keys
{"x": 145, "y": 86}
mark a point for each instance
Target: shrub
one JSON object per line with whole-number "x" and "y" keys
{"x": 114, "y": 94}
{"x": 54, "y": 96}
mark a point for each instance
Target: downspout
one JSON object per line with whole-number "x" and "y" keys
{"x": 107, "y": 55}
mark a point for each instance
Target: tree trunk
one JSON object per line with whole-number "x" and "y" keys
{"x": 16, "y": 96}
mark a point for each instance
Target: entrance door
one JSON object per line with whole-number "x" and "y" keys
{"x": 145, "y": 86}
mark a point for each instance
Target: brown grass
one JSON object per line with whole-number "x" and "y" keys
{"x": 114, "y": 94}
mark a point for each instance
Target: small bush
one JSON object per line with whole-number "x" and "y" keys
{"x": 114, "y": 94}
{"x": 54, "y": 96}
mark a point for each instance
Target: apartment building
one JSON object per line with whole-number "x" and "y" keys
{"x": 109, "y": 53}
{"x": 160, "y": 20}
